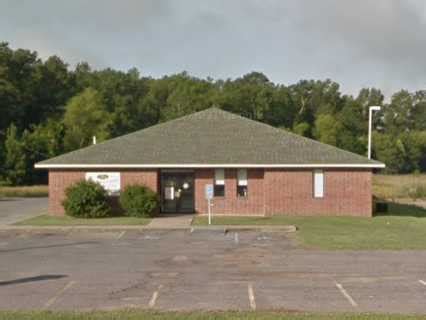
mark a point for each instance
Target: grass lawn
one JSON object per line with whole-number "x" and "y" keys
{"x": 404, "y": 227}
{"x": 139, "y": 315}
{"x": 46, "y": 220}
{"x": 24, "y": 191}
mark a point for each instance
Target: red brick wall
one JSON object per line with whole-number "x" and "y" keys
{"x": 59, "y": 180}
{"x": 231, "y": 204}
{"x": 270, "y": 191}
{"x": 148, "y": 178}
{"x": 345, "y": 193}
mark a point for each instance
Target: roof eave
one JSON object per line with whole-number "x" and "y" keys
{"x": 212, "y": 165}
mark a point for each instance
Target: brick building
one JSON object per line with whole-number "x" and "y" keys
{"x": 254, "y": 169}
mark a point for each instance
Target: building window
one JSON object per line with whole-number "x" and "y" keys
{"x": 219, "y": 183}
{"x": 318, "y": 183}
{"x": 242, "y": 183}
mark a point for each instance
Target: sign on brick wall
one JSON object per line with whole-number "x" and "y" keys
{"x": 109, "y": 180}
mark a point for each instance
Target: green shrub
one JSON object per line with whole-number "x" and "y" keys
{"x": 86, "y": 199}
{"x": 139, "y": 201}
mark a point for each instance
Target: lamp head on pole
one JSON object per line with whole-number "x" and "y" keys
{"x": 375, "y": 108}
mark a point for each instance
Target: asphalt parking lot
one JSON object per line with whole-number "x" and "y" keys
{"x": 209, "y": 270}
{"x": 16, "y": 209}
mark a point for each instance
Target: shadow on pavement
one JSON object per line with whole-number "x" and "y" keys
{"x": 32, "y": 279}
{"x": 49, "y": 246}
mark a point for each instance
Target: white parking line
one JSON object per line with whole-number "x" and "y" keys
{"x": 346, "y": 294}
{"x": 122, "y": 233}
{"x": 58, "y": 294}
{"x": 154, "y": 297}
{"x": 422, "y": 282}
{"x": 236, "y": 239}
{"x": 251, "y": 297}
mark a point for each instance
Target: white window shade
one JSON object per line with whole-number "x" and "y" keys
{"x": 219, "y": 176}
{"x": 318, "y": 184}
{"x": 242, "y": 177}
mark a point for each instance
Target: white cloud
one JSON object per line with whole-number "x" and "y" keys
{"x": 357, "y": 43}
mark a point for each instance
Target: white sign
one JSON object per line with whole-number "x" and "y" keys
{"x": 110, "y": 181}
{"x": 169, "y": 193}
{"x": 209, "y": 191}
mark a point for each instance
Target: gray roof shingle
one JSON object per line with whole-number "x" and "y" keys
{"x": 209, "y": 137}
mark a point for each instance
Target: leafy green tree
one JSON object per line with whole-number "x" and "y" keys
{"x": 186, "y": 95}
{"x": 398, "y": 114}
{"x": 302, "y": 129}
{"x": 415, "y": 151}
{"x": 85, "y": 117}
{"x": 41, "y": 142}
{"x": 353, "y": 121}
{"x": 249, "y": 96}
{"x": 327, "y": 129}
{"x": 54, "y": 109}
{"x": 418, "y": 112}
{"x": 15, "y": 158}
{"x": 17, "y": 86}
{"x": 54, "y": 88}
{"x": 313, "y": 97}
{"x": 391, "y": 152}
{"x": 281, "y": 111}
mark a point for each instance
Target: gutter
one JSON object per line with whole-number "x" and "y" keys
{"x": 167, "y": 166}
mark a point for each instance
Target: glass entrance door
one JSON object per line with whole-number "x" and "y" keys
{"x": 177, "y": 192}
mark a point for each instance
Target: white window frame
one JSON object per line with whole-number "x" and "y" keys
{"x": 242, "y": 182}
{"x": 219, "y": 177}
{"x": 219, "y": 180}
{"x": 318, "y": 184}
{"x": 242, "y": 177}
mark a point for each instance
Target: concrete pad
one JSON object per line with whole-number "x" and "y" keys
{"x": 171, "y": 221}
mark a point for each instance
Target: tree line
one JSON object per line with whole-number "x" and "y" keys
{"x": 47, "y": 109}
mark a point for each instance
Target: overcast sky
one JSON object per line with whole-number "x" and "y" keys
{"x": 358, "y": 43}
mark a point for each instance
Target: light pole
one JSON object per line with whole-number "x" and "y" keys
{"x": 370, "y": 121}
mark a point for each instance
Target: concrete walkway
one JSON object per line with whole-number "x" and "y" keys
{"x": 171, "y": 221}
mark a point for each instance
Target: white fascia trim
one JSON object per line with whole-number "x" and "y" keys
{"x": 167, "y": 166}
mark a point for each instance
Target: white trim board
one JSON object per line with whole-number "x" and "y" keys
{"x": 195, "y": 165}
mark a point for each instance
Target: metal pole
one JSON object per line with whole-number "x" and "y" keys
{"x": 209, "y": 210}
{"x": 370, "y": 124}
{"x": 370, "y": 113}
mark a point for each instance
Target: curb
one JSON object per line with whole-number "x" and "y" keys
{"x": 262, "y": 228}
{"x": 283, "y": 228}
{"x": 224, "y": 228}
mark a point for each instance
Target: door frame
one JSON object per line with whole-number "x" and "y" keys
{"x": 176, "y": 172}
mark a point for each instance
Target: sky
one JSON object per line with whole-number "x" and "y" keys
{"x": 357, "y": 43}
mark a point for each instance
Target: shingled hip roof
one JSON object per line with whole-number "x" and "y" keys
{"x": 209, "y": 138}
